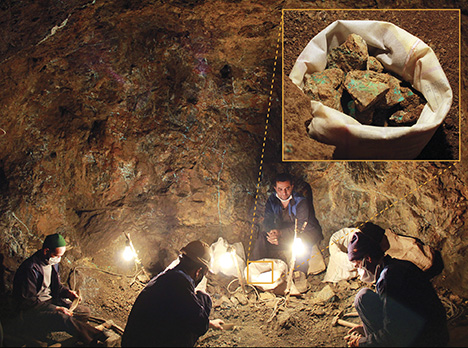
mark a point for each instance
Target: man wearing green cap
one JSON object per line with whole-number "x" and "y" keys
{"x": 40, "y": 296}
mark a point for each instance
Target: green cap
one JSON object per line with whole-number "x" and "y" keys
{"x": 53, "y": 241}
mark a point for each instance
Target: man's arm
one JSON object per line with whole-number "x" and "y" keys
{"x": 269, "y": 217}
{"x": 193, "y": 307}
{"x": 25, "y": 289}
{"x": 313, "y": 230}
{"x": 400, "y": 324}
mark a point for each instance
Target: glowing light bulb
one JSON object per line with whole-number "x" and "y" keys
{"x": 298, "y": 246}
{"x": 226, "y": 261}
{"x": 128, "y": 253}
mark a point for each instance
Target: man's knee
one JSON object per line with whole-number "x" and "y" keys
{"x": 365, "y": 298}
{"x": 260, "y": 248}
{"x": 82, "y": 313}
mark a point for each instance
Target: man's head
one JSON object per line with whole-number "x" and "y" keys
{"x": 195, "y": 258}
{"x": 372, "y": 230}
{"x": 53, "y": 248}
{"x": 365, "y": 253}
{"x": 283, "y": 186}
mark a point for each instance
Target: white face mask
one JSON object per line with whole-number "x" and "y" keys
{"x": 364, "y": 274}
{"x": 284, "y": 200}
{"x": 54, "y": 260}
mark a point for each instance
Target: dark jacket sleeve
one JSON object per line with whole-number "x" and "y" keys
{"x": 25, "y": 286}
{"x": 190, "y": 310}
{"x": 313, "y": 230}
{"x": 198, "y": 308}
{"x": 269, "y": 218}
{"x": 401, "y": 325}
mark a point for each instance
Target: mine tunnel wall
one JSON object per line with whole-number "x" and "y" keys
{"x": 149, "y": 121}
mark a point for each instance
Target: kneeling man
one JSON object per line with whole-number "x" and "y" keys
{"x": 405, "y": 310}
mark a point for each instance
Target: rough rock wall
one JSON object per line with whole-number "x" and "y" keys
{"x": 141, "y": 117}
{"x": 148, "y": 117}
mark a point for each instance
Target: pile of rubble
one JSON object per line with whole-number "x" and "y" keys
{"x": 355, "y": 83}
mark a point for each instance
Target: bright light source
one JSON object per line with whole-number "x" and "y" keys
{"x": 226, "y": 262}
{"x": 128, "y": 253}
{"x": 299, "y": 247}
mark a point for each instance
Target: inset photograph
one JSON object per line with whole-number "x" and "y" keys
{"x": 373, "y": 85}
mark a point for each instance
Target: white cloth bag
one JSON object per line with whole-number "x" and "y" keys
{"x": 219, "y": 249}
{"x": 269, "y": 275}
{"x": 399, "y": 52}
{"x": 339, "y": 267}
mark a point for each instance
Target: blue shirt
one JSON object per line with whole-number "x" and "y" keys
{"x": 298, "y": 208}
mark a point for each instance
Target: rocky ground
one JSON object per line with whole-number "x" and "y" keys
{"x": 258, "y": 319}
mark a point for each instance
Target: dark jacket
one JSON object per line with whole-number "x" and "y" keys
{"x": 298, "y": 208}
{"x": 412, "y": 312}
{"x": 168, "y": 312}
{"x": 28, "y": 282}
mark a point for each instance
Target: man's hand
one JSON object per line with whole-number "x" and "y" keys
{"x": 354, "y": 335}
{"x": 64, "y": 310}
{"x": 217, "y": 324}
{"x": 74, "y": 295}
{"x": 359, "y": 329}
{"x": 353, "y": 339}
{"x": 273, "y": 236}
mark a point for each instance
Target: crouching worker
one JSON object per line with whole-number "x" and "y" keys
{"x": 168, "y": 311}
{"x": 405, "y": 309}
{"x": 40, "y": 296}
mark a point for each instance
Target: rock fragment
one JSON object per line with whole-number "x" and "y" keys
{"x": 325, "y": 86}
{"x": 322, "y": 296}
{"x": 411, "y": 99}
{"x": 394, "y": 95}
{"x": 366, "y": 88}
{"x": 240, "y": 296}
{"x": 374, "y": 64}
{"x": 350, "y": 55}
{"x": 406, "y": 117}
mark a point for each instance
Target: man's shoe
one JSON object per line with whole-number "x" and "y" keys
{"x": 300, "y": 281}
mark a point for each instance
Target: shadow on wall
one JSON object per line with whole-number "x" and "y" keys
{"x": 2, "y": 274}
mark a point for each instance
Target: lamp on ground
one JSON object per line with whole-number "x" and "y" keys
{"x": 229, "y": 260}
{"x": 130, "y": 254}
{"x": 298, "y": 246}
{"x": 226, "y": 261}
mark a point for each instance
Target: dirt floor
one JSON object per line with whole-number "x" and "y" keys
{"x": 259, "y": 319}
{"x": 432, "y": 27}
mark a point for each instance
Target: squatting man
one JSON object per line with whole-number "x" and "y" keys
{"x": 405, "y": 309}
{"x": 286, "y": 210}
{"x": 169, "y": 312}
{"x": 41, "y": 297}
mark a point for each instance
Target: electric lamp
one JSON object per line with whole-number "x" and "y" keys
{"x": 229, "y": 260}
{"x": 298, "y": 246}
{"x": 226, "y": 261}
{"x": 128, "y": 254}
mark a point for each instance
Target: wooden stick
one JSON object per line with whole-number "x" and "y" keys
{"x": 239, "y": 273}
{"x": 137, "y": 259}
{"x": 292, "y": 264}
{"x": 75, "y": 302}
